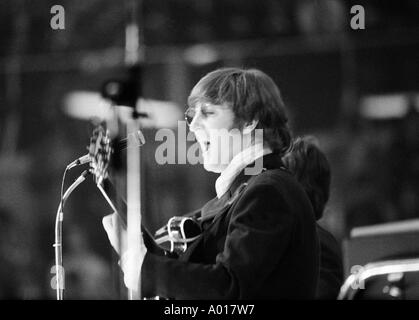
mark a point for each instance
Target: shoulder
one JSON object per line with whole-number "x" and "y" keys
{"x": 328, "y": 242}
{"x": 275, "y": 184}
{"x": 276, "y": 190}
{"x": 279, "y": 180}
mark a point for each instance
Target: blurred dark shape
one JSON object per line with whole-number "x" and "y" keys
{"x": 331, "y": 266}
{"x": 385, "y": 171}
{"x": 9, "y": 275}
{"x": 404, "y": 160}
{"x": 317, "y": 17}
{"x": 87, "y": 275}
{"x": 371, "y": 183}
{"x": 125, "y": 92}
{"x": 311, "y": 168}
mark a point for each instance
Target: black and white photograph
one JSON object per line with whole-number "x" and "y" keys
{"x": 222, "y": 151}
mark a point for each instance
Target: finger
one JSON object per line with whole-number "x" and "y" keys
{"x": 111, "y": 232}
{"x": 115, "y": 220}
{"x": 107, "y": 223}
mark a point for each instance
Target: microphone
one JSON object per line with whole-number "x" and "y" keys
{"x": 82, "y": 160}
{"x": 135, "y": 139}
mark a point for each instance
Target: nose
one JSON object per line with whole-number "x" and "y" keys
{"x": 196, "y": 121}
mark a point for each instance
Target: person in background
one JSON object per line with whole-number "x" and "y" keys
{"x": 311, "y": 168}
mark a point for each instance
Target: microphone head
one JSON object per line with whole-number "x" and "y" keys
{"x": 134, "y": 139}
{"x": 82, "y": 160}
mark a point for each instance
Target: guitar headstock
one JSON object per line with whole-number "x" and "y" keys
{"x": 100, "y": 151}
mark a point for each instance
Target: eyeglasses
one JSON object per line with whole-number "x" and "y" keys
{"x": 205, "y": 111}
{"x": 189, "y": 115}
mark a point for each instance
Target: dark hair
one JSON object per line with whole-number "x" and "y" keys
{"x": 252, "y": 95}
{"x": 311, "y": 168}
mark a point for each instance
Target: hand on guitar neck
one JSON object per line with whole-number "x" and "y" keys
{"x": 117, "y": 235}
{"x": 149, "y": 240}
{"x": 115, "y": 225}
{"x": 112, "y": 223}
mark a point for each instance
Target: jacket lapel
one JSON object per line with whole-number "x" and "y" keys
{"x": 216, "y": 207}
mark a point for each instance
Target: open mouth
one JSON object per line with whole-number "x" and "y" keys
{"x": 205, "y": 146}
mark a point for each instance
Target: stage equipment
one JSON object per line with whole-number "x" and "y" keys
{"x": 382, "y": 262}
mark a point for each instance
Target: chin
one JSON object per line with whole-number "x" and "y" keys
{"x": 213, "y": 166}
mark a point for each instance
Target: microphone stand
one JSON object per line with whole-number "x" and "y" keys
{"x": 126, "y": 93}
{"x": 58, "y": 245}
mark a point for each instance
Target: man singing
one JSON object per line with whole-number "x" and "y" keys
{"x": 258, "y": 237}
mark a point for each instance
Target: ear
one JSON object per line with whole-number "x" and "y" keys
{"x": 249, "y": 127}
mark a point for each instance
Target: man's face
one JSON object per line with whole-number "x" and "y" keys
{"x": 213, "y": 126}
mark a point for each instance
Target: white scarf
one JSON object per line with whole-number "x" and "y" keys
{"x": 237, "y": 164}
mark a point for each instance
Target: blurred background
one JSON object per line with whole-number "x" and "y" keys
{"x": 357, "y": 91}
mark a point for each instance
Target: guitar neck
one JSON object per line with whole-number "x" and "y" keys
{"x": 119, "y": 201}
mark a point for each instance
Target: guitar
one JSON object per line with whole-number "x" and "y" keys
{"x": 101, "y": 153}
{"x": 177, "y": 234}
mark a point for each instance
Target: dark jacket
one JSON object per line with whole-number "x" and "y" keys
{"x": 331, "y": 266}
{"x": 259, "y": 241}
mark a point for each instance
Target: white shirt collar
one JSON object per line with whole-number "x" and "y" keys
{"x": 237, "y": 164}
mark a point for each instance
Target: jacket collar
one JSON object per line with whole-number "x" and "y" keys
{"x": 270, "y": 161}
{"x": 216, "y": 207}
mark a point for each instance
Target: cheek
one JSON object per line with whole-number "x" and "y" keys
{"x": 218, "y": 124}
{"x": 223, "y": 120}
